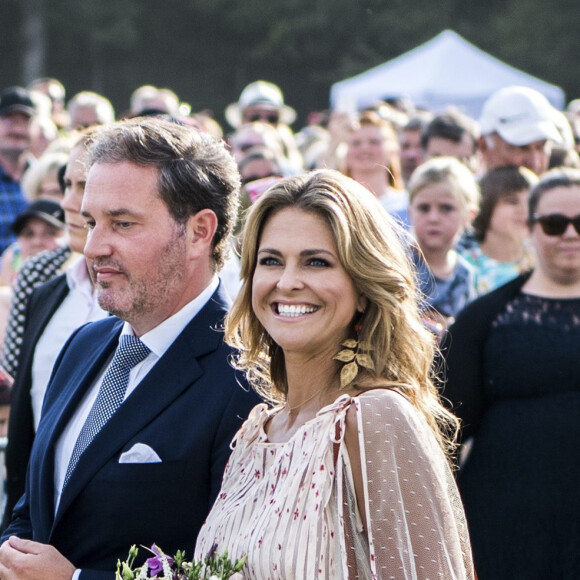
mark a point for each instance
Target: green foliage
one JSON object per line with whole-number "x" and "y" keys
{"x": 215, "y": 566}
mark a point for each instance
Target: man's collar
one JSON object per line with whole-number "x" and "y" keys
{"x": 159, "y": 339}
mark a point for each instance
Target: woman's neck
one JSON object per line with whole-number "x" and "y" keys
{"x": 311, "y": 386}
{"x": 541, "y": 285}
{"x": 503, "y": 248}
{"x": 312, "y": 381}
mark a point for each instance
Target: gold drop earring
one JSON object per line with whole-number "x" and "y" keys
{"x": 353, "y": 354}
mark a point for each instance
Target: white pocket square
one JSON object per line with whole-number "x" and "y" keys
{"x": 140, "y": 453}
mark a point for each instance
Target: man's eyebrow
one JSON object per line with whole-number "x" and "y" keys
{"x": 119, "y": 212}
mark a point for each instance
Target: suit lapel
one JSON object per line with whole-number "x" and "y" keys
{"x": 59, "y": 413}
{"x": 173, "y": 373}
{"x": 50, "y": 303}
{"x": 44, "y": 302}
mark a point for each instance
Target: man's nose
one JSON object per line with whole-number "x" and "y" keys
{"x": 534, "y": 160}
{"x": 97, "y": 243}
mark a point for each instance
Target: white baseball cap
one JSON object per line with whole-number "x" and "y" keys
{"x": 520, "y": 115}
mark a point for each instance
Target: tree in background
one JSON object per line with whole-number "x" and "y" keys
{"x": 208, "y": 50}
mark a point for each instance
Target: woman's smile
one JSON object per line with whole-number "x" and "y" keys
{"x": 294, "y": 310}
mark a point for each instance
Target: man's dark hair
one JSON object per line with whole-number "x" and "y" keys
{"x": 416, "y": 123}
{"x": 196, "y": 171}
{"x": 452, "y": 126}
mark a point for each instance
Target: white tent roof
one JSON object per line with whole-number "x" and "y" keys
{"x": 447, "y": 70}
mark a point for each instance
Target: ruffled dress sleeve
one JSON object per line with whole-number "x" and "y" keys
{"x": 415, "y": 524}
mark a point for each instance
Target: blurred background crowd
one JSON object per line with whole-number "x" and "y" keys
{"x": 414, "y": 160}
{"x": 458, "y": 185}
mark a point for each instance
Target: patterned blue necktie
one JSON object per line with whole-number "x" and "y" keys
{"x": 130, "y": 352}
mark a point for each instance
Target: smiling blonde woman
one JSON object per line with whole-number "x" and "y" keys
{"x": 347, "y": 476}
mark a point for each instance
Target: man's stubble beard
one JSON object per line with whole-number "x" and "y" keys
{"x": 146, "y": 296}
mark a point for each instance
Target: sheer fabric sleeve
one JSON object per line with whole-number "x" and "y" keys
{"x": 415, "y": 521}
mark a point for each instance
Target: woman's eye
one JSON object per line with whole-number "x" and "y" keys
{"x": 318, "y": 263}
{"x": 268, "y": 261}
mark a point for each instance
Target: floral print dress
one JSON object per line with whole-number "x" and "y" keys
{"x": 291, "y": 507}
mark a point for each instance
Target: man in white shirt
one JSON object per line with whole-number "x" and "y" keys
{"x": 160, "y": 202}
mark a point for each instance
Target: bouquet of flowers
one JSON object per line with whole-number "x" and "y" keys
{"x": 163, "y": 567}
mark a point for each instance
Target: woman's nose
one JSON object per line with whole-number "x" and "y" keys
{"x": 289, "y": 279}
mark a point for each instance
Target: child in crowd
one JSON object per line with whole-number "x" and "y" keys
{"x": 501, "y": 231}
{"x": 444, "y": 198}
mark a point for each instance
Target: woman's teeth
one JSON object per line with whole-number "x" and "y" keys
{"x": 295, "y": 310}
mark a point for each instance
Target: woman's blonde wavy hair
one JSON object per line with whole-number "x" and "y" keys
{"x": 371, "y": 249}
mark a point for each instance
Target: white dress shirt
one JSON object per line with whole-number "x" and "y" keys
{"x": 79, "y": 306}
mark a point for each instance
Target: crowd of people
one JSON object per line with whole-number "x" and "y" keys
{"x": 345, "y": 350}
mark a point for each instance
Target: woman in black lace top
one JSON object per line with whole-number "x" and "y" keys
{"x": 513, "y": 377}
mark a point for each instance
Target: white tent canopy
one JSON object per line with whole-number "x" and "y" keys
{"x": 447, "y": 70}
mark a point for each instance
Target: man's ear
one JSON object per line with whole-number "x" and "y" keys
{"x": 201, "y": 229}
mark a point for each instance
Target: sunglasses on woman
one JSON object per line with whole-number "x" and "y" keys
{"x": 555, "y": 224}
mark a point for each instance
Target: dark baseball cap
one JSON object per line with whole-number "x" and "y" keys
{"x": 45, "y": 209}
{"x": 16, "y": 99}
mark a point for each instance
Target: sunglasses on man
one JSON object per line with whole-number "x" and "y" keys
{"x": 555, "y": 224}
{"x": 271, "y": 118}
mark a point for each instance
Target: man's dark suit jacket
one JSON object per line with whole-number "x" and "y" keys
{"x": 43, "y": 303}
{"x": 187, "y": 408}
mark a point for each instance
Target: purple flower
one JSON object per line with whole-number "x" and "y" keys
{"x": 212, "y": 551}
{"x": 155, "y": 564}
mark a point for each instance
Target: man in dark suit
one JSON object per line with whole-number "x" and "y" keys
{"x": 160, "y": 201}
